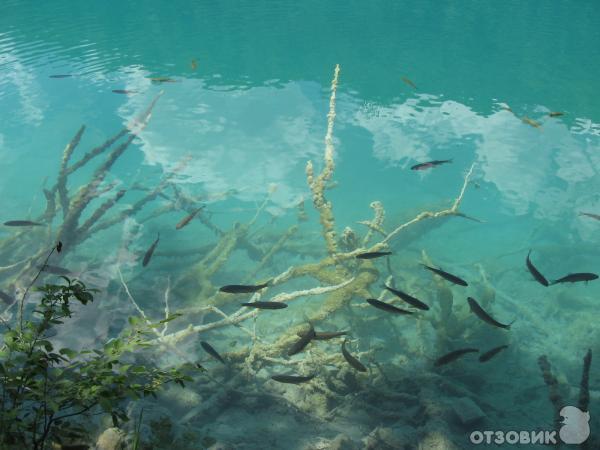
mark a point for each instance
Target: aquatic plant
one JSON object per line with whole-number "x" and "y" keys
{"x": 45, "y": 392}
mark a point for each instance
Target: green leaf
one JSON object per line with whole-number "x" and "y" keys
{"x": 138, "y": 370}
{"x": 105, "y": 404}
{"x": 68, "y": 352}
{"x": 134, "y": 321}
{"x": 53, "y": 406}
{"x": 46, "y": 344}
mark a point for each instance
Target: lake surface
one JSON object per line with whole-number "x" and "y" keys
{"x": 242, "y": 96}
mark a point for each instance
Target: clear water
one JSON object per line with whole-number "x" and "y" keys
{"x": 248, "y": 110}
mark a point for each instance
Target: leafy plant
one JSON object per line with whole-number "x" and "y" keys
{"x": 137, "y": 431}
{"x": 44, "y": 391}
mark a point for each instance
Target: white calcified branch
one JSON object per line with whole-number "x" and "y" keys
{"x": 5, "y": 268}
{"x": 140, "y": 310}
{"x": 429, "y": 215}
{"x": 243, "y": 314}
{"x": 167, "y": 292}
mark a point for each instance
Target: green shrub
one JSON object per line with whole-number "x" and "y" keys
{"x": 45, "y": 393}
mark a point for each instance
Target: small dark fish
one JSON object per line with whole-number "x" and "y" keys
{"x": 387, "y": 307}
{"x": 150, "y": 251}
{"x": 536, "y": 273}
{"x": 464, "y": 216}
{"x": 65, "y": 75}
{"x": 292, "y": 379}
{"x": 447, "y": 276}
{"x": 55, "y": 270}
{"x": 6, "y": 298}
{"x": 266, "y": 305}
{"x": 491, "y": 353}
{"x": 454, "y": 355}
{"x": 326, "y": 335}
{"x": 200, "y": 367}
{"x": 531, "y": 122}
{"x": 430, "y": 164}
{"x": 163, "y": 80}
{"x": 575, "y": 277}
{"x": 59, "y": 246}
{"x": 410, "y": 83}
{"x": 556, "y": 114}
{"x": 479, "y": 312}
{"x": 243, "y": 288}
{"x": 188, "y": 219}
{"x": 22, "y": 223}
{"x": 408, "y": 298}
{"x": 211, "y": 351}
{"x": 372, "y": 255}
{"x": 593, "y": 216}
{"x": 124, "y": 91}
{"x": 304, "y": 340}
{"x": 355, "y": 363}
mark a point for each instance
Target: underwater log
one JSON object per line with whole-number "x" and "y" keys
{"x": 552, "y": 384}
{"x": 584, "y": 392}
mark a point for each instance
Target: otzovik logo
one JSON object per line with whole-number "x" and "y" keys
{"x": 574, "y": 429}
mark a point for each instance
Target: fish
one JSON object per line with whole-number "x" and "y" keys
{"x": 266, "y": 305}
{"x": 410, "y": 83}
{"x": 491, "y": 353}
{"x": 326, "y": 335}
{"x": 464, "y": 216}
{"x": 194, "y": 64}
{"x": 575, "y": 277}
{"x": 593, "y": 216}
{"x": 62, "y": 75}
{"x": 304, "y": 340}
{"x": 387, "y": 307}
{"x": 150, "y": 251}
{"x": 55, "y": 270}
{"x": 479, "y": 312}
{"x": 355, "y": 363}
{"x": 59, "y": 246}
{"x": 6, "y": 298}
{"x": 243, "y": 288}
{"x": 211, "y": 351}
{"x": 372, "y": 255}
{"x": 531, "y": 122}
{"x": 408, "y": 298}
{"x": 536, "y": 273}
{"x": 163, "y": 80}
{"x": 454, "y": 355}
{"x": 447, "y": 276}
{"x": 188, "y": 218}
{"x": 22, "y": 223}
{"x": 124, "y": 91}
{"x": 430, "y": 164}
{"x": 556, "y": 114}
{"x": 292, "y": 379}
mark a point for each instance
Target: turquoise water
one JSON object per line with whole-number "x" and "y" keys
{"x": 234, "y": 131}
